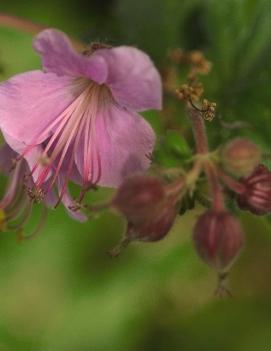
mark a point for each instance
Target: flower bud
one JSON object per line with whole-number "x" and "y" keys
{"x": 149, "y": 207}
{"x": 137, "y": 196}
{"x": 257, "y": 195}
{"x": 240, "y": 156}
{"x": 155, "y": 226}
{"x": 218, "y": 239}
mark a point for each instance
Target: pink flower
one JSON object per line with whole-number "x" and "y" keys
{"x": 78, "y": 119}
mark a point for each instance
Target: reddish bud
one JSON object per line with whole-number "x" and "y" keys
{"x": 218, "y": 239}
{"x": 240, "y": 156}
{"x": 155, "y": 226}
{"x": 149, "y": 208}
{"x": 257, "y": 195}
{"x": 138, "y": 194}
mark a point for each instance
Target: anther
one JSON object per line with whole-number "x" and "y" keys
{"x": 36, "y": 194}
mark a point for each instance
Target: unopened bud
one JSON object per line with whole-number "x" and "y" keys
{"x": 154, "y": 227}
{"x": 137, "y": 196}
{"x": 149, "y": 209}
{"x": 257, "y": 195}
{"x": 240, "y": 156}
{"x": 218, "y": 239}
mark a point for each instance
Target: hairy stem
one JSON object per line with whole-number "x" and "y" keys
{"x": 215, "y": 186}
{"x": 199, "y": 130}
{"x": 202, "y": 147}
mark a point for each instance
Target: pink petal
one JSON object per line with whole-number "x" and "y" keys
{"x": 59, "y": 56}
{"x": 121, "y": 144}
{"x": 31, "y": 157}
{"x": 133, "y": 79}
{"x": 51, "y": 199}
{"x": 29, "y": 102}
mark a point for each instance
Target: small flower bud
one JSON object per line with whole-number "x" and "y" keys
{"x": 218, "y": 239}
{"x": 240, "y": 156}
{"x": 149, "y": 207}
{"x": 257, "y": 195}
{"x": 155, "y": 226}
{"x": 137, "y": 196}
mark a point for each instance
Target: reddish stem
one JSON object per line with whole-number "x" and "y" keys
{"x": 232, "y": 184}
{"x": 202, "y": 147}
{"x": 199, "y": 130}
{"x": 215, "y": 186}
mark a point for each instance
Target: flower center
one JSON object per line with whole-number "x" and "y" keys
{"x": 72, "y": 140}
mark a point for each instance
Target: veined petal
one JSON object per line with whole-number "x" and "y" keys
{"x": 30, "y": 102}
{"x": 31, "y": 158}
{"x": 59, "y": 56}
{"x": 120, "y": 144}
{"x": 132, "y": 78}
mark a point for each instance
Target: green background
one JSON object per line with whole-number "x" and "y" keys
{"x": 61, "y": 291}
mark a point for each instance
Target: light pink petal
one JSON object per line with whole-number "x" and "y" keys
{"x": 133, "y": 79}
{"x": 51, "y": 199}
{"x": 59, "y": 56}
{"x": 121, "y": 144}
{"x": 30, "y": 102}
{"x": 31, "y": 157}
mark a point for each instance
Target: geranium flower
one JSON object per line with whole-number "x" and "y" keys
{"x": 77, "y": 119}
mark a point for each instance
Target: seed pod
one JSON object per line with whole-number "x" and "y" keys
{"x": 240, "y": 156}
{"x": 218, "y": 239}
{"x": 257, "y": 195}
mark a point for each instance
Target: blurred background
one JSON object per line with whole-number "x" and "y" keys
{"x": 61, "y": 291}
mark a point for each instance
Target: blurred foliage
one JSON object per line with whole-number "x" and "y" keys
{"x": 172, "y": 149}
{"x": 60, "y": 291}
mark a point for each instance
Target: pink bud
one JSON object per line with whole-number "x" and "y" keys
{"x": 257, "y": 195}
{"x": 138, "y": 194}
{"x": 218, "y": 239}
{"x": 155, "y": 226}
{"x": 240, "y": 156}
{"x": 149, "y": 208}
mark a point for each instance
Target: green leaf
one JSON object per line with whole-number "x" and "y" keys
{"x": 172, "y": 150}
